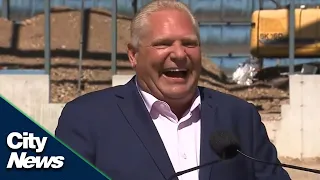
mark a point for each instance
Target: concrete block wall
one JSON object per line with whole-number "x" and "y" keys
{"x": 120, "y": 79}
{"x": 299, "y": 129}
{"x": 25, "y": 90}
{"x": 30, "y": 94}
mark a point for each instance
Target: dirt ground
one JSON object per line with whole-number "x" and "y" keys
{"x": 21, "y": 46}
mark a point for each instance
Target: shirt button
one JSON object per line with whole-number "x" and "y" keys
{"x": 184, "y": 156}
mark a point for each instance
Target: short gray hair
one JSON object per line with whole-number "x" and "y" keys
{"x": 141, "y": 18}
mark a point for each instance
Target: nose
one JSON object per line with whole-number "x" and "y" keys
{"x": 178, "y": 52}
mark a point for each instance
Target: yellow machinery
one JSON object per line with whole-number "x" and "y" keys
{"x": 270, "y": 30}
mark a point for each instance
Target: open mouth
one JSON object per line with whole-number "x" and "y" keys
{"x": 176, "y": 73}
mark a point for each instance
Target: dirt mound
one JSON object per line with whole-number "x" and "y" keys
{"x": 22, "y": 46}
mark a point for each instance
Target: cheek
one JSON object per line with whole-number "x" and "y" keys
{"x": 195, "y": 52}
{"x": 150, "y": 63}
{"x": 157, "y": 58}
{"x": 195, "y": 57}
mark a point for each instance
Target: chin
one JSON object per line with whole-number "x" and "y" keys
{"x": 177, "y": 93}
{"x": 176, "y": 96}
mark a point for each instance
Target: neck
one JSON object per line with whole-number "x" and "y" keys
{"x": 180, "y": 107}
{"x": 177, "y": 106}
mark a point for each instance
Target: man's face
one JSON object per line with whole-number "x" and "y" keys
{"x": 168, "y": 59}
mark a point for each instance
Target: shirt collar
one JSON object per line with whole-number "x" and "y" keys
{"x": 149, "y": 99}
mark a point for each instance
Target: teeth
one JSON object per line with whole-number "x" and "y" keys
{"x": 175, "y": 70}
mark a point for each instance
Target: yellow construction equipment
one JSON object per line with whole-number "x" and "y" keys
{"x": 270, "y": 30}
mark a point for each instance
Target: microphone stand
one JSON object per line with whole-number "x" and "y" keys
{"x": 283, "y": 165}
{"x": 192, "y": 169}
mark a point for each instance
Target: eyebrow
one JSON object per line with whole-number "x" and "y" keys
{"x": 185, "y": 38}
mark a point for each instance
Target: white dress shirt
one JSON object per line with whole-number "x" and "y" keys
{"x": 181, "y": 137}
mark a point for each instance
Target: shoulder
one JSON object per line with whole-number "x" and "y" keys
{"x": 104, "y": 97}
{"x": 88, "y": 110}
{"x": 226, "y": 100}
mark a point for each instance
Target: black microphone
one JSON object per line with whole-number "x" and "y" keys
{"x": 226, "y": 144}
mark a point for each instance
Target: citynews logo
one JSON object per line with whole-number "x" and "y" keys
{"x": 26, "y": 141}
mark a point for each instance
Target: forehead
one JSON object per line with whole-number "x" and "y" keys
{"x": 171, "y": 23}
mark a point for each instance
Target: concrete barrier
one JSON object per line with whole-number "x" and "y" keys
{"x": 30, "y": 94}
{"x": 299, "y": 127}
{"x": 120, "y": 79}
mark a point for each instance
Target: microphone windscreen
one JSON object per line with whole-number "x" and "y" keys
{"x": 225, "y": 144}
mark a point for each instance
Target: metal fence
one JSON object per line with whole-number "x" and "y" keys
{"x": 224, "y": 25}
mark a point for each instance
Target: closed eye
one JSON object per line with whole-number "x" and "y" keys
{"x": 162, "y": 44}
{"x": 190, "y": 43}
{"x": 165, "y": 43}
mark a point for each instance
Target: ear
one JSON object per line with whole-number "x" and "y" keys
{"x": 132, "y": 52}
